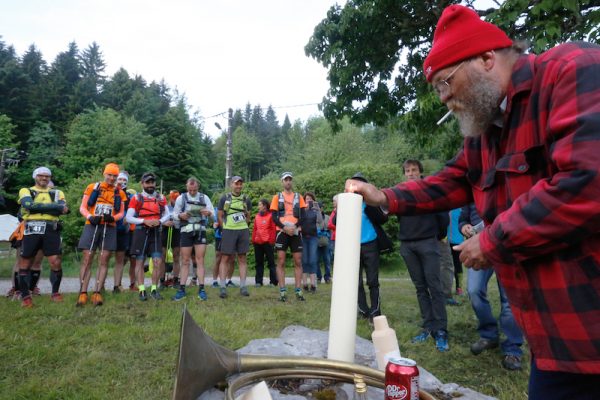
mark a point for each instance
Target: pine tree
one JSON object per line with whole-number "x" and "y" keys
{"x": 36, "y": 70}
{"x": 60, "y": 105}
{"x": 118, "y": 90}
{"x": 92, "y": 76}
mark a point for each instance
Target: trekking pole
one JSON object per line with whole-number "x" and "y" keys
{"x": 103, "y": 236}
{"x": 93, "y": 238}
{"x": 156, "y": 231}
{"x": 145, "y": 241}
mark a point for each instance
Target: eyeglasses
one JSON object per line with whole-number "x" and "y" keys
{"x": 442, "y": 87}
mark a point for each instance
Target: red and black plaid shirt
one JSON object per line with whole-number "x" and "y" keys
{"x": 536, "y": 184}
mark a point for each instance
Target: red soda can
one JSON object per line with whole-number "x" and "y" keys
{"x": 401, "y": 379}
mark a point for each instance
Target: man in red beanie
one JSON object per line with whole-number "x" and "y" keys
{"x": 531, "y": 164}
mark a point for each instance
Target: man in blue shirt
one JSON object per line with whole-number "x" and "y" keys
{"x": 372, "y": 239}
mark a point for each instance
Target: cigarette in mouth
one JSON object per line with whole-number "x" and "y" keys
{"x": 445, "y": 117}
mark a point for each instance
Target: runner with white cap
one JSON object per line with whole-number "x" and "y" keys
{"x": 41, "y": 208}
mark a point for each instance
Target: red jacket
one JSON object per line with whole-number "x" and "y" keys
{"x": 331, "y": 225}
{"x": 264, "y": 229}
{"x": 535, "y": 182}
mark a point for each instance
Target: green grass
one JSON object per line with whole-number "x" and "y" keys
{"x": 127, "y": 349}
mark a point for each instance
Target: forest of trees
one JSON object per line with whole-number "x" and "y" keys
{"x": 68, "y": 115}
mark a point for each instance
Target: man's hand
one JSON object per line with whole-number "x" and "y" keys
{"x": 108, "y": 218}
{"x": 467, "y": 230}
{"x": 471, "y": 254}
{"x": 206, "y": 212}
{"x": 371, "y": 195}
{"x": 289, "y": 230}
{"x": 65, "y": 209}
{"x": 150, "y": 223}
{"x": 95, "y": 219}
{"x": 168, "y": 223}
{"x": 184, "y": 216}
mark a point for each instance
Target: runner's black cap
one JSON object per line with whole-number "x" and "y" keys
{"x": 148, "y": 176}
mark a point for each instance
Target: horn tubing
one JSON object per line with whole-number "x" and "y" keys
{"x": 304, "y": 373}
{"x": 256, "y": 363}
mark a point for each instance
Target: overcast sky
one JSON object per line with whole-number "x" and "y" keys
{"x": 221, "y": 54}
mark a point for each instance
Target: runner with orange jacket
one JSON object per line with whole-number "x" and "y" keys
{"x": 102, "y": 205}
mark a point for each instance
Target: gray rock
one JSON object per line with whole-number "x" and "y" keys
{"x": 304, "y": 342}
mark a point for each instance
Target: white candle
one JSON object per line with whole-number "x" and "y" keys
{"x": 260, "y": 391}
{"x": 344, "y": 291}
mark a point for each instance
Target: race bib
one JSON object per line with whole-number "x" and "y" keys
{"x": 238, "y": 217}
{"x": 103, "y": 209}
{"x": 35, "y": 228}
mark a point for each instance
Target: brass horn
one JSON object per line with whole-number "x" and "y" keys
{"x": 202, "y": 363}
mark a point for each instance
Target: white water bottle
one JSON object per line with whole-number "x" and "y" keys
{"x": 385, "y": 342}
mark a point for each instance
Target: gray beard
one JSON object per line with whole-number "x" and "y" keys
{"x": 482, "y": 98}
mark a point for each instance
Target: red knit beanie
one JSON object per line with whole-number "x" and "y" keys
{"x": 459, "y": 35}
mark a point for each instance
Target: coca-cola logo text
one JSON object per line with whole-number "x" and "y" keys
{"x": 394, "y": 392}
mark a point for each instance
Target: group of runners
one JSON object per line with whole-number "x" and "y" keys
{"x": 170, "y": 230}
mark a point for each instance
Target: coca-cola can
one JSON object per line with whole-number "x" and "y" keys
{"x": 401, "y": 379}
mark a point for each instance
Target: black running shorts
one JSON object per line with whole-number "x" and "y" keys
{"x": 34, "y": 240}
{"x": 99, "y": 237}
{"x": 189, "y": 239}
{"x": 235, "y": 241}
{"x": 146, "y": 242}
{"x": 283, "y": 241}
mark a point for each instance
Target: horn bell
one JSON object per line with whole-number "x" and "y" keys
{"x": 201, "y": 363}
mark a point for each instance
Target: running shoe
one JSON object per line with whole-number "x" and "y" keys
{"x": 300, "y": 295}
{"x": 459, "y": 292}
{"x": 56, "y": 297}
{"x": 27, "y": 302}
{"x": 244, "y": 291}
{"x": 231, "y": 284}
{"x": 36, "y": 291}
{"x": 421, "y": 337}
{"x": 143, "y": 295}
{"x": 117, "y": 289}
{"x": 215, "y": 284}
{"x": 82, "y": 300}
{"x": 282, "y": 296}
{"x": 156, "y": 295}
{"x": 451, "y": 302}
{"x": 97, "y": 299}
{"x": 17, "y": 295}
{"x": 202, "y": 295}
{"x": 223, "y": 293}
{"x": 441, "y": 341}
{"x": 11, "y": 292}
{"x": 180, "y": 295}
{"x": 132, "y": 287}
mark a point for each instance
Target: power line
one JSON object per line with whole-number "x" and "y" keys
{"x": 273, "y": 107}
{"x": 298, "y": 105}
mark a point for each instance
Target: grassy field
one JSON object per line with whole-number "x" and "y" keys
{"x": 127, "y": 349}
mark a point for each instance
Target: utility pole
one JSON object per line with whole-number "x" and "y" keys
{"x": 11, "y": 157}
{"x": 229, "y": 154}
{"x": 2, "y": 166}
